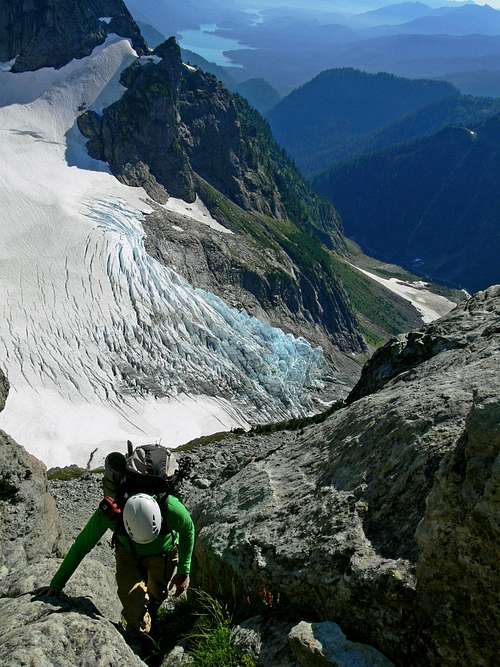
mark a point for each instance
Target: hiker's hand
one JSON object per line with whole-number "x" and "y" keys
{"x": 181, "y": 583}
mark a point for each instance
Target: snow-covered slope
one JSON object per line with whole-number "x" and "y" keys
{"x": 430, "y": 305}
{"x": 101, "y": 342}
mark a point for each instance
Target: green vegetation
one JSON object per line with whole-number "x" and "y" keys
{"x": 210, "y": 640}
{"x": 303, "y": 206}
{"x": 383, "y": 314}
{"x": 443, "y": 225}
{"x": 158, "y": 88}
{"x": 66, "y": 474}
{"x": 205, "y": 628}
{"x": 263, "y": 429}
{"x": 331, "y": 117}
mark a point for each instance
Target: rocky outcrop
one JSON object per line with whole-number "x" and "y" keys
{"x": 325, "y": 645}
{"x": 139, "y": 135}
{"x": 382, "y": 517}
{"x": 50, "y": 33}
{"x": 174, "y": 122}
{"x": 4, "y": 390}
{"x": 30, "y": 527}
{"x": 459, "y": 540}
{"x": 71, "y": 629}
{"x": 269, "y": 284}
{"x": 178, "y": 132}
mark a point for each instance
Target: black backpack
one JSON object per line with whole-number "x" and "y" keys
{"x": 150, "y": 469}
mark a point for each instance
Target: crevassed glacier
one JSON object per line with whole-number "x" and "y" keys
{"x": 100, "y": 341}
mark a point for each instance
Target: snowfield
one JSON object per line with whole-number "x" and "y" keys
{"x": 100, "y": 342}
{"x": 431, "y": 306}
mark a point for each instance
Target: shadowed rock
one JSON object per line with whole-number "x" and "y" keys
{"x": 50, "y": 33}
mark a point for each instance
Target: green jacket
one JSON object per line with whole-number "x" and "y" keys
{"x": 178, "y": 520}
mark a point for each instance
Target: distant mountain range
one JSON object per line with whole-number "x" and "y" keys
{"x": 432, "y": 205}
{"x": 391, "y": 14}
{"x": 465, "y": 20}
{"x": 327, "y": 119}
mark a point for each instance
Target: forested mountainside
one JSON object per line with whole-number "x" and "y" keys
{"x": 431, "y": 205}
{"x": 318, "y": 122}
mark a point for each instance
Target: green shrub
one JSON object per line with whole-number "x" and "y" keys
{"x": 210, "y": 641}
{"x": 66, "y": 474}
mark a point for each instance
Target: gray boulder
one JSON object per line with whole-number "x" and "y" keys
{"x": 177, "y": 657}
{"x": 325, "y": 520}
{"x": 4, "y": 390}
{"x": 265, "y": 640}
{"x": 325, "y": 645}
{"x": 29, "y": 524}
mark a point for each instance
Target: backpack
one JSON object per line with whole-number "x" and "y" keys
{"x": 150, "y": 469}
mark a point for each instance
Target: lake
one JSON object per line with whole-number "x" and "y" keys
{"x": 210, "y": 46}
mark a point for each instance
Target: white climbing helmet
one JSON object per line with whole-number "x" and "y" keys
{"x": 142, "y": 518}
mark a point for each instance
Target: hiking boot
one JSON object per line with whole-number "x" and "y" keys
{"x": 141, "y": 643}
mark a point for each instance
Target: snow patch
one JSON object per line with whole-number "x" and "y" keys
{"x": 106, "y": 19}
{"x": 7, "y": 66}
{"x": 150, "y": 59}
{"x": 189, "y": 67}
{"x": 179, "y": 229}
{"x": 66, "y": 431}
{"x": 196, "y": 211}
{"x": 430, "y": 306}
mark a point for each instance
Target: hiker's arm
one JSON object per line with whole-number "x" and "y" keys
{"x": 97, "y": 525}
{"x": 179, "y": 519}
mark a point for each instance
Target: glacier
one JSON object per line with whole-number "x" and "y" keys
{"x": 101, "y": 342}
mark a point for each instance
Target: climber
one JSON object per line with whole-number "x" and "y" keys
{"x": 153, "y": 540}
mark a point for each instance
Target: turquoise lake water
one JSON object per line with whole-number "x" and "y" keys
{"x": 210, "y": 46}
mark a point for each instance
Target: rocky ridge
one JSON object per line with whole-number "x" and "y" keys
{"x": 382, "y": 518}
{"x": 396, "y": 492}
{"x": 50, "y": 33}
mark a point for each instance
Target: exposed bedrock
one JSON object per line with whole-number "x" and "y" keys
{"x": 382, "y": 518}
{"x": 265, "y": 282}
{"x": 35, "y": 629}
{"x": 139, "y": 135}
{"x": 50, "y": 33}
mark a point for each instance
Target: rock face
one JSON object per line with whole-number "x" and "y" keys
{"x": 30, "y": 527}
{"x": 73, "y": 629}
{"x": 4, "y": 390}
{"x": 382, "y": 518}
{"x": 50, "y": 33}
{"x": 459, "y": 541}
{"x": 205, "y": 131}
{"x": 139, "y": 135}
{"x": 268, "y": 283}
